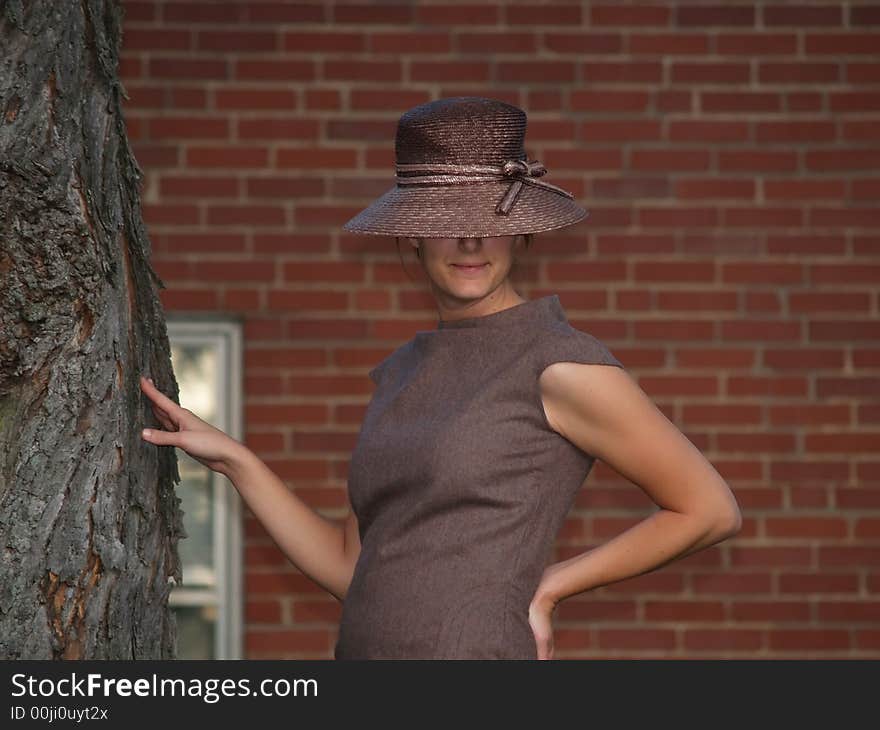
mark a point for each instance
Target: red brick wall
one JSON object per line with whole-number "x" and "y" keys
{"x": 729, "y": 154}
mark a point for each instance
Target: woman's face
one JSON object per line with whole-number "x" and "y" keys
{"x": 467, "y": 268}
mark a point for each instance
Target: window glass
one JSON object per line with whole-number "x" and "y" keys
{"x": 196, "y": 628}
{"x": 206, "y": 604}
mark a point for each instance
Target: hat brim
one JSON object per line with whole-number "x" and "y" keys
{"x": 464, "y": 210}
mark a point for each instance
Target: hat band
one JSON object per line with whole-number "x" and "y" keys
{"x": 519, "y": 172}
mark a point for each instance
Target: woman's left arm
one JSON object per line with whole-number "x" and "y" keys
{"x": 603, "y": 411}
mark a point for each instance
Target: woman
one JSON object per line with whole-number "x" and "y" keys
{"x": 481, "y": 431}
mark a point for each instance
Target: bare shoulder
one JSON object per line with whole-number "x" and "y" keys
{"x": 587, "y": 387}
{"x": 603, "y": 410}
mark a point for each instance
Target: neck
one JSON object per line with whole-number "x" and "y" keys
{"x": 450, "y": 308}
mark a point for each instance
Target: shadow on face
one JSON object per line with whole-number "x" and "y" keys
{"x": 467, "y": 267}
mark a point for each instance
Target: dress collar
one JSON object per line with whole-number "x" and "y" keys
{"x": 543, "y": 308}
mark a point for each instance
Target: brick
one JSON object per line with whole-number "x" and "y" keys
{"x": 725, "y": 639}
{"x": 249, "y": 215}
{"x": 182, "y": 243}
{"x": 231, "y": 157}
{"x": 684, "y": 610}
{"x": 280, "y": 127}
{"x": 710, "y": 73}
{"x": 847, "y": 43}
{"x": 714, "y": 15}
{"x": 275, "y": 12}
{"x": 452, "y": 14}
{"x": 307, "y": 299}
{"x": 363, "y": 70}
{"x": 708, "y": 131}
{"x": 766, "y": 217}
{"x": 248, "y": 99}
{"x": 636, "y": 638}
{"x": 842, "y": 158}
{"x": 751, "y": 44}
{"x": 798, "y": 73}
{"x": 699, "y": 188}
{"x": 860, "y": 130}
{"x": 449, "y": 71}
{"x": 183, "y": 97}
{"x": 857, "y": 72}
{"x": 263, "y": 612}
{"x": 284, "y": 187}
{"x": 236, "y": 270}
{"x": 322, "y": 99}
{"x": 610, "y": 101}
{"x": 545, "y": 14}
{"x": 864, "y": 15}
{"x": 300, "y": 640}
{"x": 803, "y": 15}
{"x": 804, "y": 640}
{"x": 629, "y": 15}
{"x": 277, "y": 70}
{"x": 156, "y": 156}
{"x": 662, "y": 159}
{"x": 146, "y": 97}
{"x": 184, "y": 67}
{"x": 804, "y": 189}
{"x": 387, "y": 98}
{"x": 180, "y": 299}
{"x": 327, "y": 157}
{"x": 237, "y": 41}
{"x": 854, "y": 101}
{"x": 168, "y": 214}
{"x": 291, "y": 243}
{"x": 495, "y": 42}
{"x": 323, "y": 42}
{"x": 731, "y": 101}
{"x": 630, "y": 72}
{"x": 199, "y": 12}
{"x": 631, "y": 187}
{"x": 620, "y": 130}
{"x": 668, "y": 43}
{"x": 415, "y": 42}
{"x": 140, "y": 12}
{"x": 186, "y": 127}
{"x": 373, "y": 14}
{"x": 149, "y": 39}
{"x": 361, "y": 129}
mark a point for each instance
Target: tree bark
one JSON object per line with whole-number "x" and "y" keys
{"x": 89, "y": 518}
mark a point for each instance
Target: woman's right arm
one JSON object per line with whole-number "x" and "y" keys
{"x": 324, "y": 550}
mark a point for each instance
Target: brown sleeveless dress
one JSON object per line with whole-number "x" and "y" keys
{"x": 460, "y": 487}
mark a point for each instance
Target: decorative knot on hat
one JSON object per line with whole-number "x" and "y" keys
{"x": 524, "y": 167}
{"x": 518, "y": 171}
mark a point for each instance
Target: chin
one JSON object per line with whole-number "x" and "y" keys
{"x": 477, "y": 291}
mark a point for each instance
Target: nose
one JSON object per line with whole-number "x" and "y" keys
{"x": 469, "y": 243}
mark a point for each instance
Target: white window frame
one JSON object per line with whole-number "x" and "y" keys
{"x": 225, "y": 336}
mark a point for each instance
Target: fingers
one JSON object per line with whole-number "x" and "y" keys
{"x": 163, "y": 419}
{"x": 160, "y": 438}
{"x": 160, "y": 414}
{"x": 156, "y": 395}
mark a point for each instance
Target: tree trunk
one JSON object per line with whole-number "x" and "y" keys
{"x": 89, "y": 519}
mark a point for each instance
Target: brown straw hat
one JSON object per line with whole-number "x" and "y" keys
{"x": 462, "y": 170}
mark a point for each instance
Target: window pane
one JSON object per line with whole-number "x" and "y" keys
{"x": 206, "y": 357}
{"x": 195, "y": 631}
{"x": 196, "y": 369}
{"x": 196, "y": 492}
